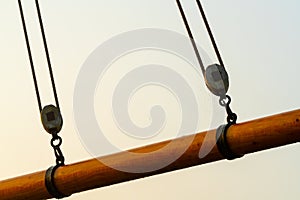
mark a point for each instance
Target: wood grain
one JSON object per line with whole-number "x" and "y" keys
{"x": 244, "y": 138}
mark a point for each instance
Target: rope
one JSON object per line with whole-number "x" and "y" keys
{"x": 191, "y": 37}
{"x": 47, "y": 53}
{"x": 30, "y": 56}
{"x": 210, "y": 33}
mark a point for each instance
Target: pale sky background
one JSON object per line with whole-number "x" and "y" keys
{"x": 259, "y": 41}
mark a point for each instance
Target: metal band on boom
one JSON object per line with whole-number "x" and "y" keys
{"x": 222, "y": 144}
{"x": 50, "y": 183}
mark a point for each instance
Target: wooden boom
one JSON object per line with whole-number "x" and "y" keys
{"x": 249, "y": 137}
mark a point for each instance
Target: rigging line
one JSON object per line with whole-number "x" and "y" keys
{"x": 47, "y": 53}
{"x": 30, "y": 56}
{"x": 191, "y": 37}
{"x": 210, "y": 33}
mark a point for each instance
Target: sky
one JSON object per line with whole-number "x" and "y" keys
{"x": 259, "y": 44}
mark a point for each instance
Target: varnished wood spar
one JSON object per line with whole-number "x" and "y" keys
{"x": 249, "y": 137}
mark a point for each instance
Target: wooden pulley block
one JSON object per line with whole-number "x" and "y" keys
{"x": 51, "y": 119}
{"x": 216, "y": 79}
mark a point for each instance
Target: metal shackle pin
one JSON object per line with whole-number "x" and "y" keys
{"x": 216, "y": 79}
{"x": 51, "y": 119}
